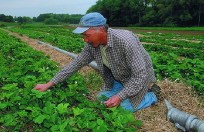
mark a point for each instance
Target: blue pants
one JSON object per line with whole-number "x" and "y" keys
{"x": 149, "y": 98}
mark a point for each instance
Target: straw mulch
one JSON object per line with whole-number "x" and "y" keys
{"x": 180, "y": 96}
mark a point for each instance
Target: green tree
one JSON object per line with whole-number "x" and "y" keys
{"x": 51, "y": 20}
{"x": 34, "y": 19}
{"x": 23, "y": 19}
{"x": 42, "y": 17}
{"x": 151, "y": 12}
{"x": 5, "y": 18}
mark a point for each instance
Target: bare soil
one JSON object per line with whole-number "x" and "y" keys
{"x": 153, "y": 118}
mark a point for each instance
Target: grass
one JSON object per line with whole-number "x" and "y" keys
{"x": 8, "y": 24}
{"x": 93, "y": 80}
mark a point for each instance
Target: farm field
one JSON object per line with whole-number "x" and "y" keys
{"x": 65, "y": 108}
{"x": 177, "y": 59}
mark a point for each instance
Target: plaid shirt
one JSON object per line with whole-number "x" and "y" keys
{"x": 129, "y": 64}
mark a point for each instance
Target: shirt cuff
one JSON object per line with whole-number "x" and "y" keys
{"x": 122, "y": 95}
{"x": 54, "y": 81}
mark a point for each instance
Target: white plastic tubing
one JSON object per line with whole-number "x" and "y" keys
{"x": 92, "y": 64}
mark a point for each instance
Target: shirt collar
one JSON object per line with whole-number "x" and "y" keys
{"x": 109, "y": 38}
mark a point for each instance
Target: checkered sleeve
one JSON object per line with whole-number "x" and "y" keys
{"x": 81, "y": 60}
{"x": 136, "y": 62}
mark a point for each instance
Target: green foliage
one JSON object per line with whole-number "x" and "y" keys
{"x": 23, "y": 19}
{"x": 151, "y": 13}
{"x": 51, "y": 21}
{"x": 5, "y": 18}
{"x": 62, "y": 38}
{"x": 169, "y": 28}
{"x": 172, "y": 54}
{"x": 51, "y": 18}
{"x": 63, "y": 108}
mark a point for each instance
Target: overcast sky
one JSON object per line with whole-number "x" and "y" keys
{"x": 33, "y": 8}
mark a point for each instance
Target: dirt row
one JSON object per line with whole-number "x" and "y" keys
{"x": 153, "y": 118}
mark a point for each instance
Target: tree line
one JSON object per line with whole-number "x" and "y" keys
{"x": 48, "y": 18}
{"x": 51, "y": 18}
{"x": 131, "y": 13}
{"x": 151, "y": 12}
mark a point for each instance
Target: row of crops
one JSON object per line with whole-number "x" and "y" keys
{"x": 61, "y": 109}
{"x": 177, "y": 57}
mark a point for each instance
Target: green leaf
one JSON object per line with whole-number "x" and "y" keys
{"x": 49, "y": 108}
{"x": 39, "y": 119}
{"x": 100, "y": 122}
{"x": 10, "y": 120}
{"x": 72, "y": 121}
{"x": 112, "y": 109}
{"x": 22, "y": 113}
{"x": 91, "y": 125}
{"x": 3, "y": 105}
{"x": 63, "y": 126}
{"x": 16, "y": 98}
{"x": 62, "y": 108}
{"x": 77, "y": 111}
{"x": 102, "y": 127}
{"x": 37, "y": 93}
{"x": 10, "y": 87}
{"x": 138, "y": 123}
{"x": 55, "y": 128}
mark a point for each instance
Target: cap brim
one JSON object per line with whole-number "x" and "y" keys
{"x": 80, "y": 30}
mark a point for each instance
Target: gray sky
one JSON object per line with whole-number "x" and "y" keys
{"x": 33, "y": 8}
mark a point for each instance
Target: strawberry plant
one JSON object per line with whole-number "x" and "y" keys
{"x": 63, "y": 108}
{"x": 177, "y": 57}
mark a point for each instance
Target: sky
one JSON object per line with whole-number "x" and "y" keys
{"x": 33, "y": 8}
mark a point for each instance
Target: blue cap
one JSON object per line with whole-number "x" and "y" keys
{"x": 93, "y": 19}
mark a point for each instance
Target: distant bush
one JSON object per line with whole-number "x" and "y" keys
{"x": 51, "y": 21}
{"x": 2, "y": 25}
